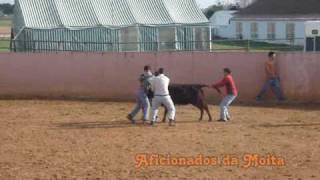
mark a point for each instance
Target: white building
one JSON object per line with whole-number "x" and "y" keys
{"x": 277, "y": 21}
{"x": 220, "y": 23}
{"x": 277, "y": 30}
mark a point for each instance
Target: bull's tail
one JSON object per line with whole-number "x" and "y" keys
{"x": 202, "y": 92}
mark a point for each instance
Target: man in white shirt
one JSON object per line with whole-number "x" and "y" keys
{"x": 160, "y": 85}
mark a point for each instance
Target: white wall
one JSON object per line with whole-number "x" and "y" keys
{"x": 220, "y": 22}
{"x": 221, "y": 18}
{"x": 224, "y": 31}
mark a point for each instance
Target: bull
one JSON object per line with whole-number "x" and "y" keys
{"x": 189, "y": 94}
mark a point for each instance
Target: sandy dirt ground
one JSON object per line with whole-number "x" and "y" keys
{"x": 93, "y": 140}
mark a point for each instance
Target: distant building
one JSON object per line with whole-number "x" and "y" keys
{"x": 278, "y": 21}
{"x": 220, "y": 23}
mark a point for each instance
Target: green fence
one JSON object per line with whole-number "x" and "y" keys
{"x": 106, "y": 39}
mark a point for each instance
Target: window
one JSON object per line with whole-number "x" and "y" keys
{"x": 271, "y": 31}
{"x": 315, "y": 32}
{"x": 254, "y": 30}
{"x": 290, "y": 29}
{"x": 239, "y": 30}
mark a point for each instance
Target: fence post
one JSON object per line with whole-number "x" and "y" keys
{"x": 210, "y": 38}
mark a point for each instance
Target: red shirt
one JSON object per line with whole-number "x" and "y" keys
{"x": 227, "y": 81}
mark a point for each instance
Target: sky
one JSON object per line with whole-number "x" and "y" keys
{"x": 6, "y": 1}
{"x": 202, "y": 3}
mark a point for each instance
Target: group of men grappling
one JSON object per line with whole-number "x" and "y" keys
{"x": 154, "y": 92}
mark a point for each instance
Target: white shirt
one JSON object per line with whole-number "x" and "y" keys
{"x": 160, "y": 85}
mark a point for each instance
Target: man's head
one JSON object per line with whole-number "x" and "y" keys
{"x": 272, "y": 55}
{"x": 160, "y": 71}
{"x": 226, "y": 71}
{"x": 147, "y": 68}
{"x": 156, "y": 73}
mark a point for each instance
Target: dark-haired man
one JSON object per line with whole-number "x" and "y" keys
{"x": 229, "y": 97}
{"x": 160, "y": 87}
{"x": 273, "y": 79}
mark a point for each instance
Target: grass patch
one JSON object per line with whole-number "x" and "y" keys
{"x": 4, "y": 44}
{"x": 253, "y": 46}
{"x": 5, "y": 23}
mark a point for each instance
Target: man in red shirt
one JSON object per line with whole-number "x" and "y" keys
{"x": 229, "y": 97}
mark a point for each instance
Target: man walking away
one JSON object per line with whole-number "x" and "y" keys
{"x": 160, "y": 85}
{"x": 231, "y": 94}
{"x": 142, "y": 99}
{"x": 273, "y": 79}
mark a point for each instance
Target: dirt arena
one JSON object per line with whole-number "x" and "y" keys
{"x": 93, "y": 140}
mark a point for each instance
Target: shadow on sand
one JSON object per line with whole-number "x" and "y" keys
{"x": 114, "y": 124}
{"x": 97, "y": 124}
{"x": 287, "y": 105}
{"x": 289, "y": 125}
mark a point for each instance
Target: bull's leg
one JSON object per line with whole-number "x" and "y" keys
{"x": 165, "y": 114}
{"x": 201, "y": 116}
{"x": 206, "y": 108}
{"x": 203, "y": 107}
{"x": 200, "y": 107}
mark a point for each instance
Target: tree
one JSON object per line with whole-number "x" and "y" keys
{"x": 7, "y": 8}
{"x": 208, "y": 12}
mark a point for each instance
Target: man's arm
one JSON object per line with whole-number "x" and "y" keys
{"x": 152, "y": 85}
{"x": 148, "y": 83}
{"x": 218, "y": 90}
{"x": 219, "y": 84}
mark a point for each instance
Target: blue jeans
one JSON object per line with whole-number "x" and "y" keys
{"x": 142, "y": 103}
{"x": 224, "y": 113}
{"x": 274, "y": 83}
